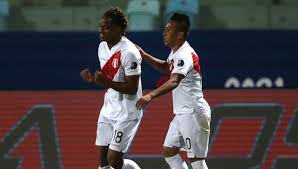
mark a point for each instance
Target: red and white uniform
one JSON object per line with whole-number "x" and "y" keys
{"x": 190, "y": 127}
{"x": 123, "y": 59}
{"x": 119, "y": 118}
{"x": 185, "y": 61}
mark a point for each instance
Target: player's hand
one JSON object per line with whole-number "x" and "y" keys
{"x": 86, "y": 75}
{"x": 142, "y": 102}
{"x": 99, "y": 77}
{"x": 142, "y": 52}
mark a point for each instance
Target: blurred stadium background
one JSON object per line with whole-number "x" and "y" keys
{"x": 249, "y": 57}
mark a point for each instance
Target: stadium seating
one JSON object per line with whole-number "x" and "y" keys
{"x": 75, "y": 3}
{"x": 232, "y": 2}
{"x": 284, "y": 17}
{"x": 142, "y": 14}
{"x": 86, "y": 18}
{"x": 234, "y": 17}
{"x": 4, "y": 11}
{"x": 56, "y": 19}
{"x": 107, "y": 4}
{"x": 16, "y": 20}
{"x": 188, "y": 7}
{"x": 43, "y": 3}
{"x": 289, "y": 2}
{"x": 148, "y": 15}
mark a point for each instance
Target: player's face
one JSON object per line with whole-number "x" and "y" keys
{"x": 107, "y": 31}
{"x": 170, "y": 34}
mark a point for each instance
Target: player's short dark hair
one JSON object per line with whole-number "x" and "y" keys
{"x": 183, "y": 23}
{"x": 118, "y": 18}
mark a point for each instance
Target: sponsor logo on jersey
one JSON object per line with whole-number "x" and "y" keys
{"x": 180, "y": 63}
{"x": 134, "y": 65}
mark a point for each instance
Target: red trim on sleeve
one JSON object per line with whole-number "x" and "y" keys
{"x": 196, "y": 64}
{"x": 171, "y": 65}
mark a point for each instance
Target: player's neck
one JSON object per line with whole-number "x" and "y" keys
{"x": 113, "y": 42}
{"x": 177, "y": 46}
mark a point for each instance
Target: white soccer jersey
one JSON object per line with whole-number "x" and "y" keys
{"x": 186, "y": 96}
{"x": 123, "y": 59}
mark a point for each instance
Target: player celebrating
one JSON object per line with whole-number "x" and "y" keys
{"x": 190, "y": 127}
{"x": 120, "y": 63}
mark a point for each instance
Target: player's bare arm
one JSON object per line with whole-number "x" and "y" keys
{"x": 130, "y": 86}
{"x": 86, "y": 75}
{"x": 168, "y": 86}
{"x": 158, "y": 64}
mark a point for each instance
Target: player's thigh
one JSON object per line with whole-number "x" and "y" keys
{"x": 104, "y": 131}
{"x": 195, "y": 129}
{"x": 123, "y": 134}
{"x": 173, "y": 140}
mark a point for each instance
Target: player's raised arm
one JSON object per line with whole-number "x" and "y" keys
{"x": 158, "y": 64}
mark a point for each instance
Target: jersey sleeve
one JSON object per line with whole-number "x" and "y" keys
{"x": 99, "y": 52}
{"x": 182, "y": 64}
{"x": 131, "y": 63}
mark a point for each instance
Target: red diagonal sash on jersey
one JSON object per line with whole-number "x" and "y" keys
{"x": 196, "y": 64}
{"x": 111, "y": 67}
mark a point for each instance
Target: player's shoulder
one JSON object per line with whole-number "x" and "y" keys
{"x": 102, "y": 45}
{"x": 184, "y": 54}
{"x": 190, "y": 49}
{"x": 128, "y": 45}
{"x": 187, "y": 47}
{"x": 186, "y": 51}
{"x": 129, "y": 49}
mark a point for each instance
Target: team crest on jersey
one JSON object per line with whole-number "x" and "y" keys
{"x": 115, "y": 62}
{"x": 180, "y": 63}
{"x": 134, "y": 65}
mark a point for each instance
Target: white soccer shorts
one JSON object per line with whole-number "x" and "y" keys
{"x": 118, "y": 135}
{"x": 190, "y": 132}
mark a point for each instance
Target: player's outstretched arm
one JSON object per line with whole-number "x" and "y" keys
{"x": 168, "y": 86}
{"x": 158, "y": 64}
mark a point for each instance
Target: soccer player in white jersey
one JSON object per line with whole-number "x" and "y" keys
{"x": 190, "y": 127}
{"x": 120, "y": 63}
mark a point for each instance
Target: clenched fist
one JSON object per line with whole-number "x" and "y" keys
{"x": 86, "y": 75}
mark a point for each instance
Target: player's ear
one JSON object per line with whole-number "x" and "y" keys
{"x": 118, "y": 29}
{"x": 180, "y": 35}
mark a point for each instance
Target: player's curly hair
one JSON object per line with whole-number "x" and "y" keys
{"x": 118, "y": 18}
